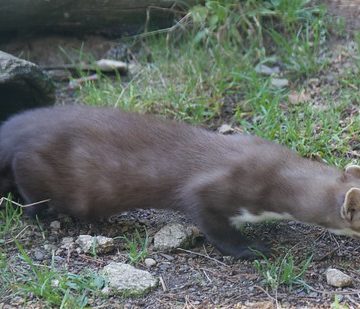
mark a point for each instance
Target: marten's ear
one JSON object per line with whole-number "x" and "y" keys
{"x": 351, "y": 208}
{"x": 353, "y": 170}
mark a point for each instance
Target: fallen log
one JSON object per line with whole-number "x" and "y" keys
{"x": 84, "y": 16}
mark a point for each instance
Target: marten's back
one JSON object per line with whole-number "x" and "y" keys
{"x": 128, "y": 132}
{"x": 82, "y": 153}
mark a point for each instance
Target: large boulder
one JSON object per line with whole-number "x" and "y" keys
{"x": 23, "y": 85}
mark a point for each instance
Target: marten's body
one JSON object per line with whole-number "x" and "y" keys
{"x": 96, "y": 162}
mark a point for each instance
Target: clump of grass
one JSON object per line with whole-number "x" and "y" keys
{"x": 219, "y": 21}
{"x": 137, "y": 246}
{"x": 9, "y": 218}
{"x": 336, "y": 303}
{"x": 6, "y": 277}
{"x": 292, "y": 30}
{"x": 283, "y": 271}
{"x": 54, "y": 287}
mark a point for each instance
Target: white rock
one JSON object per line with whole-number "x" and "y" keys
{"x": 298, "y": 97}
{"x": 105, "y": 290}
{"x": 264, "y": 69}
{"x": 86, "y": 243}
{"x": 50, "y": 247}
{"x": 55, "y": 283}
{"x": 109, "y": 65}
{"x": 226, "y": 129}
{"x": 150, "y": 262}
{"x": 172, "y": 236}
{"x": 67, "y": 243}
{"x": 124, "y": 278}
{"x": 104, "y": 244}
{"x": 279, "y": 82}
{"x": 100, "y": 244}
{"x": 55, "y": 225}
{"x": 337, "y": 278}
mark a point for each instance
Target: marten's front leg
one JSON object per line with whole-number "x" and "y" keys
{"x": 210, "y": 201}
{"x": 227, "y": 239}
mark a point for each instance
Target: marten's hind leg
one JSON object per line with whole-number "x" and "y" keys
{"x": 30, "y": 187}
{"x": 6, "y": 182}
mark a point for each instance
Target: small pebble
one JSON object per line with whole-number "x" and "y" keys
{"x": 86, "y": 242}
{"x": 38, "y": 255}
{"x": 337, "y": 278}
{"x": 279, "y": 82}
{"x": 266, "y": 70}
{"x": 50, "y": 247}
{"x": 67, "y": 243}
{"x": 150, "y": 262}
{"x": 55, "y": 283}
{"x": 105, "y": 290}
{"x": 55, "y": 225}
{"x": 226, "y": 129}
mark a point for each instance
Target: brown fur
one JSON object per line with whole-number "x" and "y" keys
{"x": 96, "y": 162}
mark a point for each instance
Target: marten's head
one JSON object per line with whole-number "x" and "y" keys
{"x": 349, "y": 203}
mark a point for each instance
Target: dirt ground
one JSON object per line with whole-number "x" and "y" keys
{"x": 201, "y": 277}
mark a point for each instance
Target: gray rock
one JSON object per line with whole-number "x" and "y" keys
{"x": 337, "y": 278}
{"x": 55, "y": 283}
{"x": 150, "y": 262}
{"x": 104, "y": 244}
{"x": 279, "y": 82}
{"x": 172, "y": 236}
{"x": 39, "y": 255}
{"x": 106, "y": 291}
{"x": 226, "y": 129}
{"x": 49, "y": 247}
{"x": 55, "y": 225}
{"x": 128, "y": 280}
{"x": 265, "y": 70}
{"x": 23, "y": 85}
{"x": 108, "y": 65}
{"x": 99, "y": 244}
{"x": 67, "y": 243}
{"x": 86, "y": 243}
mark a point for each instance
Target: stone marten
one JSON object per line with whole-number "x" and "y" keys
{"x": 96, "y": 162}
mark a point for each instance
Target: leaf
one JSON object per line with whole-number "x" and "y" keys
{"x": 199, "y": 14}
{"x": 200, "y": 36}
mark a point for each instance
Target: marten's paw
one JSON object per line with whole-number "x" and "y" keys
{"x": 247, "y": 251}
{"x": 41, "y": 211}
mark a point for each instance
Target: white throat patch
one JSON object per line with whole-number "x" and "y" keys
{"x": 247, "y": 217}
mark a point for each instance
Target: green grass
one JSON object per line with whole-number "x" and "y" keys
{"x": 282, "y": 271}
{"x": 136, "y": 246}
{"x": 55, "y": 287}
{"x": 336, "y": 304}
{"x": 313, "y": 131}
{"x": 10, "y": 220}
{"x": 188, "y": 79}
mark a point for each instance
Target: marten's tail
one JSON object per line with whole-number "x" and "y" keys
{"x": 6, "y": 174}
